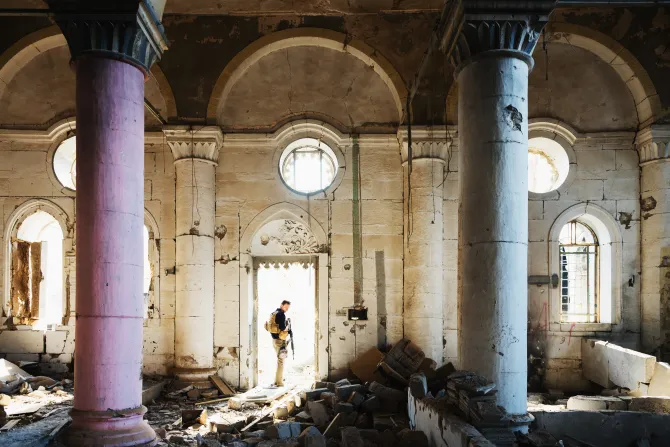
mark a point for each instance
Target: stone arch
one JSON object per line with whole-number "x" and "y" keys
{"x": 17, "y": 56}
{"x": 21, "y": 212}
{"x": 632, "y": 73}
{"x": 280, "y": 211}
{"x": 304, "y": 37}
{"x": 610, "y": 242}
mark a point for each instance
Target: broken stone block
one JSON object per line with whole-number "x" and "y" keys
{"x": 349, "y": 418}
{"x": 356, "y": 398}
{"x": 319, "y": 412}
{"x": 193, "y": 394}
{"x": 365, "y": 365}
{"x": 370, "y": 434}
{"x": 660, "y": 381}
{"x": 596, "y": 403}
{"x": 382, "y": 422}
{"x": 333, "y": 427}
{"x": 344, "y": 407}
{"x": 594, "y": 361}
{"x": 343, "y": 392}
{"x": 281, "y": 412}
{"x": 343, "y": 382}
{"x": 329, "y": 398}
{"x": 315, "y": 394}
{"x": 5, "y": 400}
{"x": 371, "y": 404}
{"x": 363, "y": 421}
{"x": 628, "y": 368}
{"x": 311, "y": 437}
{"x": 235, "y": 403}
{"x": 190, "y": 417}
{"x": 282, "y": 430}
{"x": 303, "y": 416}
{"x": 387, "y": 437}
{"x": 660, "y": 405}
{"x": 253, "y": 434}
{"x": 409, "y": 438}
{"x": 351, "y": 437}
{"x": 387, "y": 394}
{"x": 418, "y": 385}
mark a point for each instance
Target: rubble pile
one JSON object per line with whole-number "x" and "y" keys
{"x": 25, "y": 398}
{"x": 367, "y": 410}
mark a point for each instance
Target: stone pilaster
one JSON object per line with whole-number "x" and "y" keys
{"x": 492, "y": 54}
{"x": 653, "y": 144}
{"x": 113, "y": 45}
{"x": 423, "y": 284}
{"x": 196, "y": 154}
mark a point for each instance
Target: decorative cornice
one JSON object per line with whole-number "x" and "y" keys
{"x": 427, "y": 142}
{"x": 653, "y": 143}
{"x": 132, "y": 33}
{"x": 201, "y": 143}
{"x": 473, "y": 28}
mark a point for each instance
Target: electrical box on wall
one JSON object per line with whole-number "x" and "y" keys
{"x": 357, "y": 313}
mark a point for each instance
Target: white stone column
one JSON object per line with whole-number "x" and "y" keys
{"x": 196, "y": 153}
{"x": 423, "y": 284}
{"x": 654, "y": 148}
{"x": 493, "y": 62}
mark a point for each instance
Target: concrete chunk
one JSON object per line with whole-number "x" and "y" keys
{"x": 628, "y": 368}
{"x": 595, "y": 365}
{"x": 596, "y": 403}
{"x": 660, "y": 381}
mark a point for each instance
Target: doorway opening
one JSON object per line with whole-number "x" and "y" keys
{"x": 293, "y": 280}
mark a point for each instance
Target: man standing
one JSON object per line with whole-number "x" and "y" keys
{"x": 280, "y": 331}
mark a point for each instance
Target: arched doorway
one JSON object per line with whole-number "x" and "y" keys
{"x": 285, "y": 258}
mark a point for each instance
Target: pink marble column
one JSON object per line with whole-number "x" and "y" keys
{"x": 110, "y": 208}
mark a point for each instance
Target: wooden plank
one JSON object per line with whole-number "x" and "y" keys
{"x": 9, "y": 425}
{"x": 212, "y": 401}
{"x": 221, "y": 385}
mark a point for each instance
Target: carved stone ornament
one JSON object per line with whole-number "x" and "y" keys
{"x": 130, "y": 31}
{"x": 653, "y": 143}
{"x": 202, "y": 143}
{"x": 475, "y": 27}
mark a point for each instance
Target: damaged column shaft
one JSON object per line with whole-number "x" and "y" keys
{"x": 424, "y": 225}
{"x": 111, "y": 68}
{"x": 493, "y": 63}
{"x": 196, "y": 153}
{"x": 654, "y": 149}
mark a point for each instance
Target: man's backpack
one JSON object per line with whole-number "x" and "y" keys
{"x": 271, "y": 324}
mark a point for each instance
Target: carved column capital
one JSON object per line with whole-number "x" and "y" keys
{"x": 129, "y": 31}
{"x": 201, "y": 143}
{"x": 475, "y": 28}
{"x": 653, "y": 143}
{"x": 427, "y": 143}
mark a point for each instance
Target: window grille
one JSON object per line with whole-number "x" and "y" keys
{"x": 579, "y": 273}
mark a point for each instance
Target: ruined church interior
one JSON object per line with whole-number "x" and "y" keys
{"x": 466, "y": 203}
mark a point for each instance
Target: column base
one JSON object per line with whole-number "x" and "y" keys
{"x": 520, "y": 422}
{"x": 120, "y": 428}
{"x": 198, "y": 377}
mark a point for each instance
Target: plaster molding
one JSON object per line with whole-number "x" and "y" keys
{"x": 428, "y": 142}
{"x": 653, "y": 143}
{"x": 55, "y": 133}
{"x": 135, "y": 35}
{"x": 553, "y": 126}
{"x": 201, "y": 144}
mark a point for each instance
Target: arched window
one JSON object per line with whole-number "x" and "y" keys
{"x": 37, "y": 271}
{"x": 579, "y": 273}
{"x": 65, "y": 163}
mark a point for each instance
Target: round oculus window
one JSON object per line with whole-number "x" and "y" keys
{"x": 65, "y": 163}
{"x": 548, "y": 165}
{"x": 308, "y": 166}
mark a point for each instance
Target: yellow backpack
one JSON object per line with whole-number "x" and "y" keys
{"x": 272, "y": 327}
{"x": 271, "y": 324}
